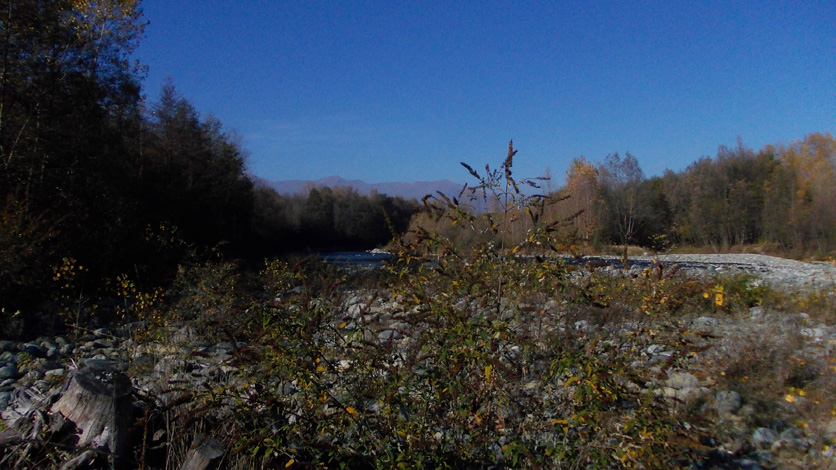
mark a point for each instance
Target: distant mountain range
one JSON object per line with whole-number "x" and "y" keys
{"x": 415, "y": 190}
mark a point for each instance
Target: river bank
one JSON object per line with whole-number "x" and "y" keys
{"x": 747, "y": 387}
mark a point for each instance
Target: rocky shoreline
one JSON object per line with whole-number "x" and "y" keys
{"x": 35, "y": 375}
{"x": 777, "y": 272}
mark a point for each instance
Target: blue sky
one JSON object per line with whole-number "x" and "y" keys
{"x": 404, "y": 90}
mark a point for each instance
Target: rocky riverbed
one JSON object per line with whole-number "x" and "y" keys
{"x": 35, "y": 374}
{"x": 777, "y": 272}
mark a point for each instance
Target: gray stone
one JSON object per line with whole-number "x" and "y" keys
{"x": 815, "y": 334}
{"x": 5, "y": 399}
{"x": 791, "y": 438}
{"x": 207, "y": 371}
{"x": 763, "y": 438}
{"x": 33, "y": 375}
{"x": 386, "y": 335}
{"x": 762, "y": 455}
{"x": 221, "y": 351}
{"x": 101, "y": 365}
{"x": 103, "y": 332}
{"x": 791, "y": 432}
{"x": 9, "y": 372}
{"x": 52, "y": 352}
{"x": 830, "y": 429}
{"x": 55, "y": 373}
{"x": 9, "y": 346}
{"x": 584, "y": 326}
{"x": 705, "y": 324}
{"x": 144, "y": 360}
{"x": 8, "y": 357}
{"x": 727, "y": 403}
{"x": 103, "y": 343}
{"x": 357, "y": 310}
{"x": 34, "y": 350}
{"x": 747, "y": 464}
{"x": 184, "y": 335}
{"x": 682, "y": 380}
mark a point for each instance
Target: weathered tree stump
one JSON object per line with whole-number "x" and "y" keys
{"x": 98, "y": 401}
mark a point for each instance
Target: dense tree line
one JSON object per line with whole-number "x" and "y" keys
{"x": 330, "y": 219}
{"x": 96, "y": 182}
{"x": 783, "y": 195}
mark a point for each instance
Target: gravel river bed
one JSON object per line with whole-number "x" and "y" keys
{"x": 777, "y": 272}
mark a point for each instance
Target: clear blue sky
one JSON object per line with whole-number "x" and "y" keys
{"x": 404, "y": 90}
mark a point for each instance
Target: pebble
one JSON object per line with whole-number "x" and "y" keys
{"x": 682, "y": 380}
{"x": 763, "y": 438}
{"x": 727, "y": 403}
{"x": 791, "y": 438}
{"x": 144, "y": 361}
{"x": 9, "y": 372}
{"x": 103, "y": 331}
{"x": 55, "y": 373}
{"x": 386, "y": 335}
{"x": 34, "y": 350}
{"x": 705, "y": 324}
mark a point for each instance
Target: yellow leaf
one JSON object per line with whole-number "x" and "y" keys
{"x": 488, "y": 370}
{"x": 351, "y": 410}
{"x": 289, "y": 463}
{"x": 571, "y": 381}
{"x": 321, "y": 369}
{"x": 342, "y": 325}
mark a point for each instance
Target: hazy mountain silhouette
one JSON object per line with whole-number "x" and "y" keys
{"x": 417, "y": 189}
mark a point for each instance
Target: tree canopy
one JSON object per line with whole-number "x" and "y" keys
{"x": 99, "y": 183}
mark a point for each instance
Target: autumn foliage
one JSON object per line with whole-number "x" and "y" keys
{"x": 781, "y": 195}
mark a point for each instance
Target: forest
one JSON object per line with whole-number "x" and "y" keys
{"x": 777, "y": 200}
{"x": 98, "y": 181}
{"x": 781, "y": 195}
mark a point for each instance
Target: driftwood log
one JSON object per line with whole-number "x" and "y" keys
{"x": 98, "y": 401}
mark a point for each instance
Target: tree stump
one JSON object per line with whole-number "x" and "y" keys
{"x": 98, "y": 401}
